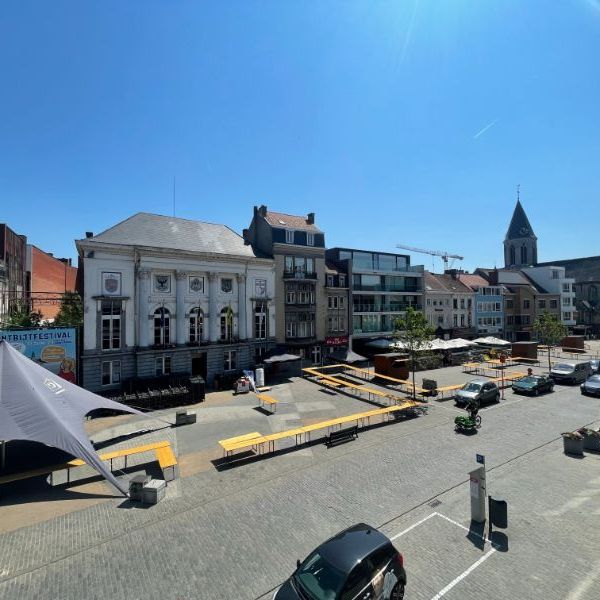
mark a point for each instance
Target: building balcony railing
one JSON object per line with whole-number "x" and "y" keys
{"x": 408, "y": 289}
{"x": 299, "y": 275}
{"x": 379, "y": 308}
{"x": 374, "y": 329}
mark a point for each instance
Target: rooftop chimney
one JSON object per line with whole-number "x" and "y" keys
{"x": 310, "y": 219}
{"x": 89, "y": 234}
{"x": 245, "y": 233}
{"x": 262, "y": 211}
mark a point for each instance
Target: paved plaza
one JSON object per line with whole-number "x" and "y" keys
{"x": 235, "y": 533}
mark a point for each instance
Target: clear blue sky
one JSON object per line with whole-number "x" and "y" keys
{"x": 396, "y": 122}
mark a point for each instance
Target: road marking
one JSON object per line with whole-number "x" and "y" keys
{"x": 463, "y": 575}
{"x": 583, "y": 587}
{"x": 482, "y": 537}
{"x": 413, "y": 526}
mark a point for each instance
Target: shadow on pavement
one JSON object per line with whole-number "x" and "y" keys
{"x": 476, "y": 534}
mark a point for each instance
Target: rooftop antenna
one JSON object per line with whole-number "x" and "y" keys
{"x": 173, "y": 195}
{"x": 518, "y": 192}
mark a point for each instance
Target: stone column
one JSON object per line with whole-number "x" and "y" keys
{"x": 213, "y": 315}
{"x": 242, "y": 327}
{"x": 143, "y": 295}
{"x": 180, "y": 291}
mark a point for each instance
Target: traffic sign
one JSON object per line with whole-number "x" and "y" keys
{"x": 480, "y": 458}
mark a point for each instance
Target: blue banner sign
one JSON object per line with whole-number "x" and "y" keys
{"x": 55, "y": 349}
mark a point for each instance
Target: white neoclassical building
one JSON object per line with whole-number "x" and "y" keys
{"x": 164, "y": 295}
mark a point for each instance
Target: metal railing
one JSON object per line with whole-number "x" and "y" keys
{"x": 378, "y": 308}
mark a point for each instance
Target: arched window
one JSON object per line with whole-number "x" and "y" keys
{"x": 523, "y": 254}
{"x": 196, "y": 325}
{"x": 512, "y": 257}
{"x": 226, "y": 323}
{"x": 161, "y": 326}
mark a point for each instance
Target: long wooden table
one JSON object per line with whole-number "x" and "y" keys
{"x": 256, "y": 440}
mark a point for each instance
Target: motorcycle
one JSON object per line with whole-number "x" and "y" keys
{"x": 466, "y": 423}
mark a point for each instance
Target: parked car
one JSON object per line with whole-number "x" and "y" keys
{"x": 478, "y": 389}
{"x": 571, "y": 372}
{"x": 533, "y": 384}
{"x": 360, "y": 562}
{"x": 591, "y": 386}
{"x": 595, "y": 365}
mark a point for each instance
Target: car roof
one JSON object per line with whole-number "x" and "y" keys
{"x": 350, "y": 546}
{"x": 477, "y": 381}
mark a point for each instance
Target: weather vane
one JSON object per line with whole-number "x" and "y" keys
{"x": 518, "y": 192}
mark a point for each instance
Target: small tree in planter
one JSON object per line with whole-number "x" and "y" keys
{"x": 549, "y": 331}
{"x": 573, "y": 443}
{"x": 414, "y": 332}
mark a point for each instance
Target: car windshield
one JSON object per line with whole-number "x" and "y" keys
{"x": 318, "y": 579}
{"x": 531, "y": 380}
{"x": 564, "y": 367}
{"x": 472, "y": 386}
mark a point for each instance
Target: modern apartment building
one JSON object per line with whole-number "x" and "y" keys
{"x": 553, "y": 280}
{"x": 297, "y": 247}
{"x": 382, "y": 287}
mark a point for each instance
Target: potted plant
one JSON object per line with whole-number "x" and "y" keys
{"x": 573, "y": 443}
{"x": 591, "y": 439}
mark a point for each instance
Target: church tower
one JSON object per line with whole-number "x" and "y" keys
{"x": 520, "y": 243}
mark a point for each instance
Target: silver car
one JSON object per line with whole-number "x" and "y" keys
{"x": 478, "y": 389}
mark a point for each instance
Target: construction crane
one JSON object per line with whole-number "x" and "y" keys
{"x": 444, "y": 255}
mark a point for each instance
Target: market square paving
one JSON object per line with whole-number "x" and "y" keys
{"x": 236, "y": 532}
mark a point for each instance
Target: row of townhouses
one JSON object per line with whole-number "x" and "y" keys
{"x": 164, "y": 295}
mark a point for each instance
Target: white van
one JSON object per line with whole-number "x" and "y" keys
{"x": 571, "y": 372}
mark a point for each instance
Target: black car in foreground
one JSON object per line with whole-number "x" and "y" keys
{"x": 358, "y": 563}
{"x": 533, "y": 384}
{"x": 591, "y": 386}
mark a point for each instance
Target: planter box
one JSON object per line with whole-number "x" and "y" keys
{"x": 573, "y": 446}
{"x": 591, "y": 442}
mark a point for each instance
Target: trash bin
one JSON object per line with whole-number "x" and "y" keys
{"x": 498, "y": 512}
{"x": 198, "y": 388}
{"x": 260, "y": 377}
{"x": 136, "y": 484}
{"x": 154, "y": 491}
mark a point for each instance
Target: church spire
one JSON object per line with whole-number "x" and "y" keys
{"x": 520, "y": 243}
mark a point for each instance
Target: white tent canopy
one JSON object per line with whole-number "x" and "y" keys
{"x": 38, "y": 406}
{"x": 491, "y": 341}
{"x": 439, "y": 344}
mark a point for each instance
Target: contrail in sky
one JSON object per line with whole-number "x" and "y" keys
{"x": 482, "y": 131}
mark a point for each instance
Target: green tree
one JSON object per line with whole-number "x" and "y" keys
{"x": 414, "y": 332}
{"x": 21, "y": 315}
{"x": 70, "y": 313}
{"x": 549, "y": 331}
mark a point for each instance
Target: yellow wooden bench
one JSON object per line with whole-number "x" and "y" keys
{"x": 78, "y": 462}
{"x": 264, "y": 399}
{"x": 168, "y": 463}
{"x": 241, "y": 441}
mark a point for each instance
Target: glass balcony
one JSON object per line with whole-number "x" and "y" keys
{"x": 409, "y": 289}
{"x": 379, "y": 308}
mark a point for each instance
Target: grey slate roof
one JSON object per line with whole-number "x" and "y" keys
{"x": 519, "y": 225}
{"x": 158, "y": 231}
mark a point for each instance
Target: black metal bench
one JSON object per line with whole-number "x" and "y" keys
{"x": 341, "y": 435}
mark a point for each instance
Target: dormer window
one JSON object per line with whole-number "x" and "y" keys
{"x": 289, "y": 236}
{"x": 310, "y": 239}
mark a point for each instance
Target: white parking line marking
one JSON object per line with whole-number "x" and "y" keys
{"x": 413, "y": 526}
{"x": 463, "y": 575}
{"x": 482, "y": 537}
{"x": 581, "y": 590}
